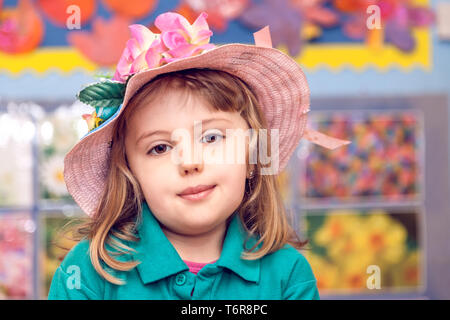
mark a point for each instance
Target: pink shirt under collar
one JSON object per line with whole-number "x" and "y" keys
{"x": 195, "y": 267}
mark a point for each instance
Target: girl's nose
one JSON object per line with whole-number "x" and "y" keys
{"x": 186, "y": 169}
{"x": 192, "y": 165}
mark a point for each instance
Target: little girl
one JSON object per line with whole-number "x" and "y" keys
{"x": 173, "y": 213}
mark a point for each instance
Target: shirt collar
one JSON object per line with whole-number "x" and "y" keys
{"x": 159, "y": 259}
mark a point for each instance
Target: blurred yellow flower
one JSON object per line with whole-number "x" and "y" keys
{"x": 382, "y": 237}
{"x": 351, "y": 242}
{"x": 353, "y": 272}
{"x": 338, "y": 225}
{"x": 326, "y": 273}
{"x": 407, "y": 273}
{"x": 353, "y": 279}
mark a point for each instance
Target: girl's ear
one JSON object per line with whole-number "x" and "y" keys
{"x": 251, "y": 172}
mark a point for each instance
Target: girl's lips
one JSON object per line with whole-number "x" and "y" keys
{"x": 197, "y": 196}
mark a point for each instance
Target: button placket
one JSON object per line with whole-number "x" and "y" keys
{"x": 183, "y": 285}
{"x": 205, "y": 280}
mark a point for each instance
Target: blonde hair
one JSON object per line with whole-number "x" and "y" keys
{"x": 262, "y": 210}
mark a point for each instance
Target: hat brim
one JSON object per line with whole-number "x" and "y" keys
{"x": 277, "y": 80}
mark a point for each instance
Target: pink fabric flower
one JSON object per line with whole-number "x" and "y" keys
{"x": 142, "y": 51}
{"x": 181, "y": 38}
{"x": 178, "y": 39}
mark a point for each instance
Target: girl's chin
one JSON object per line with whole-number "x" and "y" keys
{"x": 196, "y": 226}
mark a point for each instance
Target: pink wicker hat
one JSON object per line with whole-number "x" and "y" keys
{"x": 277, "y": 80}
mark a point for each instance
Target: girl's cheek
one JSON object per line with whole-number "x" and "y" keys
{"x": 149, "y": 172}
{"x": 231, "y": 175}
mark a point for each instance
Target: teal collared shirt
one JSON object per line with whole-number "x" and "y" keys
{"x": 163, "y": 275}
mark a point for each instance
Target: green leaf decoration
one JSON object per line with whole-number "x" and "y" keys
{"x": 107, "y": 94}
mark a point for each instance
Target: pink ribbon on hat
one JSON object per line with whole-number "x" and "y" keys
{"x": 263, "y": 39}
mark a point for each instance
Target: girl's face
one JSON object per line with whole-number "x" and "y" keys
{"x": 162, "y": 178}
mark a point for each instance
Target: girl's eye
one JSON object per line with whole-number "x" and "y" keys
{"x": 213, "y": 137}
{"x": 159, "y": 149}
{"x": 162, "y": 148}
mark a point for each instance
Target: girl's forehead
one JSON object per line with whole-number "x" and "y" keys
{"x": 179, "y": 103}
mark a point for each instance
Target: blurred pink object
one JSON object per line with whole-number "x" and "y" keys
{"x": 15, "y": 257}
{"x": 104, "y": 44}
{"x": 21, "y": 28}
{"x": 219, "y": 11}
{"x": 315, "y": 12}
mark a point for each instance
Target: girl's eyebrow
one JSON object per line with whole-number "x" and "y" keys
{"x": 146, "y": 135}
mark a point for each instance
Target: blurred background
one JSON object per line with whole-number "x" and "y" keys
{"x": 376, "y": 212}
